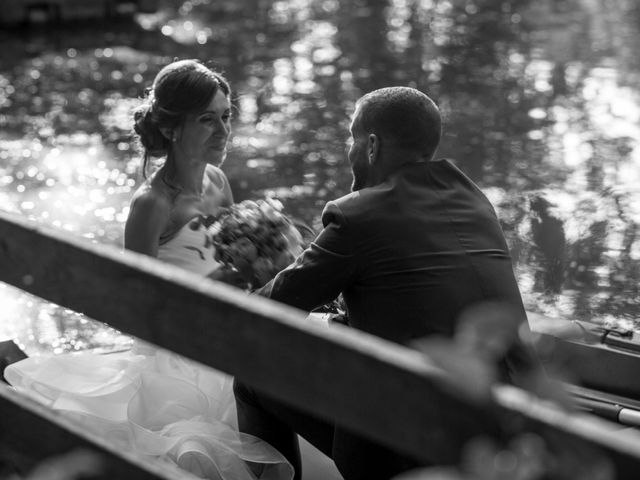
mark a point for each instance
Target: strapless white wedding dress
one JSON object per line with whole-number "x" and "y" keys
{"x": 154, "y": 401}
{"x": 191, "y": 247}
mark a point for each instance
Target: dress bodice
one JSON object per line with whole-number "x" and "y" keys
{"x": 190, "y": 247}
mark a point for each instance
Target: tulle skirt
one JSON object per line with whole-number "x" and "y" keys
{"x": 156, "y": 403}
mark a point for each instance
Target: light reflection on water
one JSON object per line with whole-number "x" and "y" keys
{"x": 540, "y": 102}
{"x": 79, "y": 187}
{"x": 41, "y": 327}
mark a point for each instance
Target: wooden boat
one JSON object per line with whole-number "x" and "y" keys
{"x": 599, "y": 365}
{"x": 272, "y": 347}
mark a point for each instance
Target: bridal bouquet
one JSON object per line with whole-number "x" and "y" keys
{"x": 256, "y": 238}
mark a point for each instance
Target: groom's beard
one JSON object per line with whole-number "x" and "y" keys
{"x": 361, "y": 176}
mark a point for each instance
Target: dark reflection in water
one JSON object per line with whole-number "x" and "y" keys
{"x": 540, "y": 101}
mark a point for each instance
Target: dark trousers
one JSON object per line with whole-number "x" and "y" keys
{"x": 277, "y": 424}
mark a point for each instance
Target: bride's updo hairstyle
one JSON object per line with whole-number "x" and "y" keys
{"x": 181, "y": 88}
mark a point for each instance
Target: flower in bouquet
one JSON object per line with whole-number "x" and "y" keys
{"x": 257, "y": 238}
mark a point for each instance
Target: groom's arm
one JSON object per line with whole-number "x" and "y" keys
{"x": 322, "y": 271}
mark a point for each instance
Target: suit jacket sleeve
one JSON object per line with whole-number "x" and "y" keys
{"x": 322, "y": 271}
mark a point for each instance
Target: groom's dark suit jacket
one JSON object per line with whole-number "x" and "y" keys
{"x": 409, "y": 255}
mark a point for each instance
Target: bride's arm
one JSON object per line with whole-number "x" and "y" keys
{"x": 148, "y": 217}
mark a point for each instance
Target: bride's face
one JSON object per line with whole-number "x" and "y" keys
{"x": 204, "y": 135}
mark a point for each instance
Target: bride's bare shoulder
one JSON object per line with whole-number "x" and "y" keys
{"x": 220, "y": 181}
{"x": 216, "y": 175}
{"x": 150, "y": 199}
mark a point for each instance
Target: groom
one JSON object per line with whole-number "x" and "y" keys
{"x": 414, "y": 245}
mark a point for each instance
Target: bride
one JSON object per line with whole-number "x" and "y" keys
{"x": 147, "y": 399}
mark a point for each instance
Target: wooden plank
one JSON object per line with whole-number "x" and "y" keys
{"x": 377, "y": 388}
{"x": 71, "y": 10}
{"x": 13, "y": 12}
{"x": 588, "y": 438}
{"x": 338, "y": 373}
{"x": 30, "y": 432}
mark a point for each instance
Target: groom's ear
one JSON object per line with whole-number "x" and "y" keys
{"x": 373, "y": 147}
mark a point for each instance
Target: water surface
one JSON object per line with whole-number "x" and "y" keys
{"x": 540, "y": 101}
